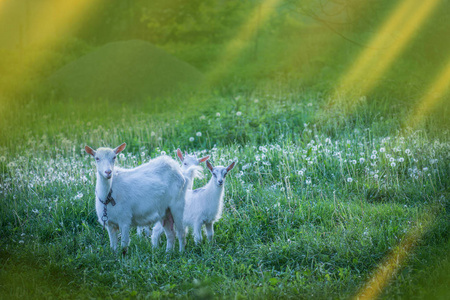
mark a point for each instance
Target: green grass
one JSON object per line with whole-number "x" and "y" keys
{"x": 315, "y": 204}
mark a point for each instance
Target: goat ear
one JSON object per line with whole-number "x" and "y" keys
{"x": 203, "y": 159}
{"x": 208, "y": 164}
{"x": 89, "y": 150}
{"x": 230, "y": 167}
{"x": 120, "y": 148}
{"x": 179, "y": 154}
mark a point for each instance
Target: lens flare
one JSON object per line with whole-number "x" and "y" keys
{"x": 45, "y": 25}
{"x": 385, "y": 47}
{"x": 395, "y": 260}
{"x": 434, "y": 94}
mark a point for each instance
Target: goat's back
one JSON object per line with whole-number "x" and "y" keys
{"x": 147, "y": 190}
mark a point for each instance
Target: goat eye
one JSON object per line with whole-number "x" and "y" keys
{"x": 214, "y": 174}
{"x": 185, "y": 164}
{"x": 114, "y": 157}
{"x": 97, "y": 159}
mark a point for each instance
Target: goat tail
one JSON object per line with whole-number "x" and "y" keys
{"x": 193, "y": 172}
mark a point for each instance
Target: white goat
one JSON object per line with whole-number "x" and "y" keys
{"x": 190, "y": 168}
{"x": 203, "y": 205}
{"x": 187, "y": 162}
{"x": 141, "y": 196}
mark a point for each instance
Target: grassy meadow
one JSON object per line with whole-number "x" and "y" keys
{"x": 342, "y": 184}
{"x": 312, "y": 209}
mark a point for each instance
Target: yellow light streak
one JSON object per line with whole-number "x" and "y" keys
{"x": 54, "y": 19}
{"x": 258, "y": 17}
{"x": 408, "y": 29}
{"x": 381, "y": 51}
{"x": 381, "y": 41}
{"x": 49, "y": 22}
{"x": 434, "y": 94}
{"x": 389, "y": 267}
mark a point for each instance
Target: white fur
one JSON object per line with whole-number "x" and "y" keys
{"x": 190, "y": 166}
{"x": 152, "y": 192}
{"x": 203, "y": 205}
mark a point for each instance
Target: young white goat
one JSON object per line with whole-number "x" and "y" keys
{"x": 190, "y": 166}
{"x": 141, "y": 196}
{"x": 203, "y": 205}
{"x": 187, "y": 162}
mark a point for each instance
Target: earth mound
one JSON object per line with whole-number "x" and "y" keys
{"x": 124, "y": 71}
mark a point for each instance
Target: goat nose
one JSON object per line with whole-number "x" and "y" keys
{"x": 108, "y": 172}
{"x": 220, "y": 181}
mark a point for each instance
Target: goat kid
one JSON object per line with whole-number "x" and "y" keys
{"x": 187, "y": 162}
{"x": 203, "y": 205}
{"x": 152, "y": 192}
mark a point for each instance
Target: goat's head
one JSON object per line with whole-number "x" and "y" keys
{"x": 104, "y": 159}
{"x": 189, "y": 160}
{"x": 219, "y": 173}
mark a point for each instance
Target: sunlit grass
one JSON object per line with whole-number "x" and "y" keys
{"x": 309, "y": 212}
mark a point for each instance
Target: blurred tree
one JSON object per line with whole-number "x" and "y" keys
{"x": 165, "y": 21}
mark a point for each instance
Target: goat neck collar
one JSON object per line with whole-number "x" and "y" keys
{"x": 109, "y": 199}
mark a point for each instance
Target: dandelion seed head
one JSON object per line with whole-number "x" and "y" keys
{"x": 198, "y": 133}
{"x": 238, "y": 113}
{"x": 191, "y": 139}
